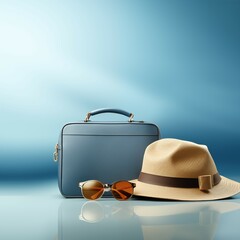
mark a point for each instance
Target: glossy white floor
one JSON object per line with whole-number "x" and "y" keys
{"x": 37, "y": 211}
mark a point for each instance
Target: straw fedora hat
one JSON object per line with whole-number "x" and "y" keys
{"x": 182, "y": 170}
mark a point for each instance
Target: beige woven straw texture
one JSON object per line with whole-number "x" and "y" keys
{"x": 182, "y": 159}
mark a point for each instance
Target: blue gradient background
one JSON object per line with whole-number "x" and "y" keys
{"x": 175, "y": 63}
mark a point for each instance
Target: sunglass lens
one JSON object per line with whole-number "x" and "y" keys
{"x": 92, "y": 189}
{"x": 122, "y": 190}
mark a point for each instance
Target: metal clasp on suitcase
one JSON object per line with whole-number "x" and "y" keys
{"x": 55, "y": 154}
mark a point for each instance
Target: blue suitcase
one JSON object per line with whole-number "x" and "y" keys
{"x": 104, "y": 151}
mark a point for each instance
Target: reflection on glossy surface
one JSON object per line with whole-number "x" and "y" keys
{"x": 37, "y": 211}
{"x": 182, "y": 220}
{"x": 93, "y": 212}
{"x": 98, "y": 220}
{"x": 144, "y": 219}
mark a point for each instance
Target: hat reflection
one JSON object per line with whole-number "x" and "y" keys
{"x": 182, "y": 220}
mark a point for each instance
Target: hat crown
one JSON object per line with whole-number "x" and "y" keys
{"x": 178, "y": 158}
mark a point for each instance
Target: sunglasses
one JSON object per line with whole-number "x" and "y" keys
{"x": 93, "y": 189}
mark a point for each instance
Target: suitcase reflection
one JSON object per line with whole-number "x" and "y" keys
{"x": 79, "y": 219}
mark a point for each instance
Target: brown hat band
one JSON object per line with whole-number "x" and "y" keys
{"x": 204, "y": 182}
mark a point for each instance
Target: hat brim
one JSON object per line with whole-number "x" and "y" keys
{"x": 225, "y": 189}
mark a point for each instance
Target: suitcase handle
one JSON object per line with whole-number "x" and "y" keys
{"x": 109, "y": 110}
